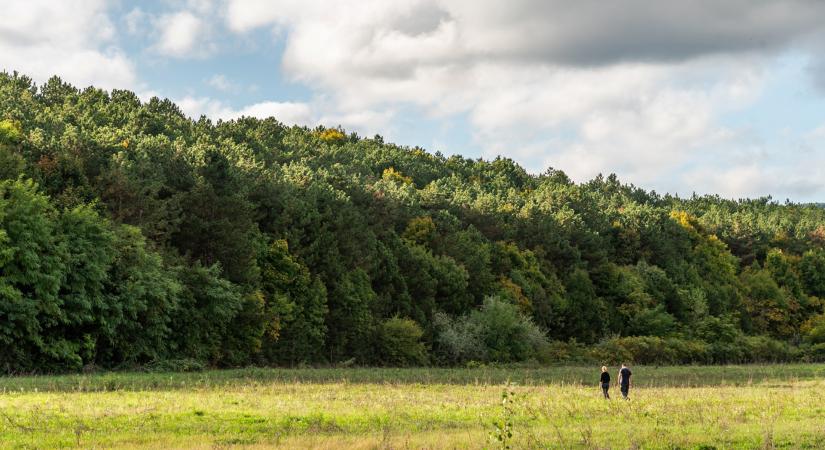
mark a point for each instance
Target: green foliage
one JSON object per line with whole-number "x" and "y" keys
{"x": 349, "y": 320}
{"x": 814, "y": 330}
{"x": 143, "y": 296}
{"x": 32, "y": 264}
{"x": 390, "y": 174}
{"x": 502, "y": 434}
{"x": 204, "y": 315}
{"x": 766, "y": 304}
{"x": 812, "y": 268}
{"x": 651, "y": 350}
{"x": 585, "y": 313}
{"x": 676, "y": 350}
{"x": 131, "y": 234}
{"x": 457, "y": 341}
{"x": 398, "y": 343}
{"x": 505, "y": 332}
{"x": 295, "y": 304}
{"x": 421, "y": 230}
{"x": 12, "y": 163}
{"x": 498, "y": 332}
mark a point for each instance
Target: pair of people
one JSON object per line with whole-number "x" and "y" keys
{"x": 624, "y": 381}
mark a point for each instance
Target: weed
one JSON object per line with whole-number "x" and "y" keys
{"x": 502, "y": 435}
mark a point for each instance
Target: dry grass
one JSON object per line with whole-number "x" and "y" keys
{"x": 263, "y": 412}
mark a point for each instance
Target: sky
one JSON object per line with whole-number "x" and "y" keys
{"x": 706, "y": 96}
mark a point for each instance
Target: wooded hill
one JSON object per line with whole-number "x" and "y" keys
{"x": 133, "y": 236}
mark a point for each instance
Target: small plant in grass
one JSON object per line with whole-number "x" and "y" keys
{"x": 502, "y": 434}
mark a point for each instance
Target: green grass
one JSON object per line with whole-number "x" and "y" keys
{"x": 558, "y": 407}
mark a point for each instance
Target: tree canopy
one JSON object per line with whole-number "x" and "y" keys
{"x": 130, "y": 234}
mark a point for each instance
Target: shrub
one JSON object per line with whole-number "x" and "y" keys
{"x": 398, "y": 343}
{"x": 816, "y": 353}
{"x": 564, "y": 352}
{"x": 457, "y": 341}
{"x": 652, "y": 322}
{"x": 814, "y": 329}
{"x": 651, "y": 350}
{"x": 765, "y": 349}
{"x": 497, "y": 332}
{"x": 506, "y": 333}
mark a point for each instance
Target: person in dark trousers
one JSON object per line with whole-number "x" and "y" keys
{"x": 624, "y": 380}
{"x": 605, "y": 381}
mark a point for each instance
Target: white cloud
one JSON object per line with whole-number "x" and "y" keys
{"x": 749, "y": 179}
{"x": 203, "y": 7}
{"x": 817, "y": 133}
{"x": 72, "y": 39}
{"x": 634, "y": 87}
{"x": 221, "y": 83}
{"x": 289, "y": 113}
{"x": 181, "y": 35}
{"x": 135, "y": 21}
{"x": 286, "y": 112}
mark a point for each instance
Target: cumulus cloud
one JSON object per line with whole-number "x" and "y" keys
{"x": 180, "y": 34}
{"x": 221, "y": 83}
{"x": 290, "y": 113}
{"x": 634, "y": 86}
{"x": 73, "y": 39}
{"x": 135, "y": 21}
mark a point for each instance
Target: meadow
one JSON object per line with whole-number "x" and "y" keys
{"x": 779, "y": 406}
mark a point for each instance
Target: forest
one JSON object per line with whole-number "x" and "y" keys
{"x": 134, "y": 237}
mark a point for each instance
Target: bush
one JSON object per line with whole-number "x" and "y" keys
{"x": 636, "y": 349}
{"x": 674, "y": 350}
{"x": 765, "y": 349}
{"x": 457, "y": 341}
{"x": 497, "y": 332}
{"x": 651, "y": 350}
{"x": 507, "y": 334}
{"x": 398, "y": 343}
{"x": 814, "y": 329}
{"x": 816, "y": 353}
{"x": 555, "y": 352}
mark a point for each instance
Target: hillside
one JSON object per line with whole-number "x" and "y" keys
{"x": 132, "y": 236}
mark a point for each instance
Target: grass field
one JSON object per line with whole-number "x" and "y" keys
{"x": 559, "y": 407}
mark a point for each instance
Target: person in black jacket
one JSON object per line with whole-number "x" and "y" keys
{"x": 605, "y": 381}
{"x": 624, "y": 380}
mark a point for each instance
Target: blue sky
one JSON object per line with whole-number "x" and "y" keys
{"x": 708, "y": 96}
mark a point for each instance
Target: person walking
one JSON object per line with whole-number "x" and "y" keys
{"x": 605, "y": 381}
{"x": 624, "y": 380}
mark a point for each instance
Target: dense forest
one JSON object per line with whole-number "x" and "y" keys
{"x": 132, "y": 236}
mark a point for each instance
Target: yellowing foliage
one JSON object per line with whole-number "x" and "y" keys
{"x": 514, "y": 292}
{"x": 10, "y": 132}
{"x": 332, "y": 135}
{"x": 420, "y": 230}
{"x": 390, "y": 174}
{"x": 686, "y": 220}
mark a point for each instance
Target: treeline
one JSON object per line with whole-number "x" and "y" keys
{"x": 131, "y": 235}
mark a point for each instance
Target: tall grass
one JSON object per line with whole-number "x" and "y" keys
{"x": 556, "y": 407}
{"x": 670, "y": 376}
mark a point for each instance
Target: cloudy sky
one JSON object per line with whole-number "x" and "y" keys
{"x": 724, "y": 96}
